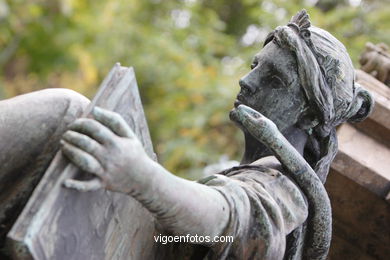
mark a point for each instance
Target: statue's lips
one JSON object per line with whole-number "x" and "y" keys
{"x": 237, "y": 103}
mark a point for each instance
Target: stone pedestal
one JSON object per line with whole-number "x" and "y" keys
{"x": 359, "y": 182}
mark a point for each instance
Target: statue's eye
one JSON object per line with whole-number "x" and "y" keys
{"x": 254, "y": 64}
{"x": 277, "y": 82}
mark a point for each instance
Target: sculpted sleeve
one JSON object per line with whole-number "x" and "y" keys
{"x": 265, "y": 206}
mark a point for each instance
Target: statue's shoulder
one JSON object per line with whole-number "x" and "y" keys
{"x": 262, "y": 170}
{"x": 269, "y": 162}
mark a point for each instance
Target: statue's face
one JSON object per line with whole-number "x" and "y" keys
{"x": 272, "y": 87}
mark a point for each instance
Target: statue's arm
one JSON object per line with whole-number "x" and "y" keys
{"x": 108, "y": 148}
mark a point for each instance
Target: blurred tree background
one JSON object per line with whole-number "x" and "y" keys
{"x": 188, "y": 56}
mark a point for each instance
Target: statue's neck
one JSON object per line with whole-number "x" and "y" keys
{"x": 255, "y": 150}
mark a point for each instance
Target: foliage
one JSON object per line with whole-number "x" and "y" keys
{"x": 188, "y": 56}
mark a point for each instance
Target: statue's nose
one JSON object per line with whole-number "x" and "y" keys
{"x": 246, "y": 86}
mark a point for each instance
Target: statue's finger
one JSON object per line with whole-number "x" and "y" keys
{"x": 83, "y": 142}
{"x": 113, "y": 121}
{"x": 93, "y": 129}
{"x": 90, "y": 185}
{"x": 82, "y": 159}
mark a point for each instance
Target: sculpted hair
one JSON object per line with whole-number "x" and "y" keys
{"x": 326, "y": 76}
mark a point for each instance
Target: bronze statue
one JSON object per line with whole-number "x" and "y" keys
{"x": 300, "y": 87}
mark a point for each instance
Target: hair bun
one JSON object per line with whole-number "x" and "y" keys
{"x": 363, "y": 104}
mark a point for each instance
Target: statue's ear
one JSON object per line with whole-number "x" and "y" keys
{"x": 363, "y": 104}
{"x": 308, "y": 119}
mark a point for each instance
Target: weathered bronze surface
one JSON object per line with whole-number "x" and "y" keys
{"x": 59, "y": 223}
{"x": 300, "y": 87}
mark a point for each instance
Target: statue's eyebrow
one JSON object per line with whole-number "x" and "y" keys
{"x": 276, "y": 70}
{"x": 279, "y": 73}
{"x": 284, "y": 74}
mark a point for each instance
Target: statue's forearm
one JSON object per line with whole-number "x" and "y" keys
{"x": 107, "y": 147}
{"x": 181, "y": 206}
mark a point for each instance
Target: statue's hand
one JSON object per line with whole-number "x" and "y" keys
{"x": 262, "y": 128}
{"x": 106, "y": 147}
